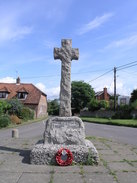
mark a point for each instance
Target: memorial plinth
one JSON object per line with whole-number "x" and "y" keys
{"x": 64, "y": 132}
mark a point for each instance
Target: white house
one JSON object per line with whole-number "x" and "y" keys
{"x": 123, "y": 100}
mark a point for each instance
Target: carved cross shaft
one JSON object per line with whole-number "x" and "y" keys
{"x": 66, "y": 54}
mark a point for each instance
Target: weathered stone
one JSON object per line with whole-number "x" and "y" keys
{"x": 66, "y": 54}
{"x": 64, "y": 130}
{"x": 46, "y": 153}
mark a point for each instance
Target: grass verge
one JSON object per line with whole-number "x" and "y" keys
{"x": 117, "y": 122}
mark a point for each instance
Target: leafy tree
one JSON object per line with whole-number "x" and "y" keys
{"x": 81, "y": 94}
{"x": 133, "y": 95}
{"x": 53, "y": 107}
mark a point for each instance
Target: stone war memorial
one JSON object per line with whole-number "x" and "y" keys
{"x": 64, "y": 136}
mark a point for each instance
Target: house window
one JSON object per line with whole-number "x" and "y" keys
{"x": 22, "y": 95}
{"x": 3, "y": 95}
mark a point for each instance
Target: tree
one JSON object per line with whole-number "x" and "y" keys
{"x": 133, "y": 95}
{"x": 53, "y": 107}
{"x": 81, "y": 94}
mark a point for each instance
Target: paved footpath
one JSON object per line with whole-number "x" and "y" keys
{"x": 118, "y": 164}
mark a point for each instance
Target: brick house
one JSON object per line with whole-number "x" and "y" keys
{"x": 103, "y": 95}
{"x": 28, "y": 94}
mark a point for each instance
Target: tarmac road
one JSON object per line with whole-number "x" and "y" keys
{"x": 120, "y": 134}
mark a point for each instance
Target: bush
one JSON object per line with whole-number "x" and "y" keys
{"x": 93, "y": 105}
{"x": 104, "y": 104}
{"x": 26, "y": 113}
{"x": 125, "y": 114}
{"x": 4, "y": 106}
{"x": 15, "y": 107}
{"x": 134, "y": 104}
{"x": 125, "y": 108}
{"x": 4, "y": 121}
{"x": 14, "y": 119}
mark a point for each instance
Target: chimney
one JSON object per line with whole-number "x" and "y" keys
{"x": 18, "y": 81}
{"x": 105, "y": 94}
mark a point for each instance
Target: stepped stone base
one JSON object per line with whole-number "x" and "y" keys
{"x": 46, "y": 153}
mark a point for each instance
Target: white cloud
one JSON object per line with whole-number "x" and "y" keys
{"x": 7, "y": 80}
{"x": 126, "y": 42}
{"x": 41, "y": 86}
{"x": 52, "y": 93}
{"x": 97, "y": 22}
{"x": 11, "y": 25}
{"x": 8, "y": 33}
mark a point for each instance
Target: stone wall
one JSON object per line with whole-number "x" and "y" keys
{"x": 99, "y": 113}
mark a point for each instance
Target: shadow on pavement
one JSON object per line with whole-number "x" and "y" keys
{"x": 25, "y": 153}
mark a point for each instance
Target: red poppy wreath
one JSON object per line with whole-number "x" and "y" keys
{"x": 64, "y": 157}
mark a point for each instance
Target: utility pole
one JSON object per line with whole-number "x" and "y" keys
{"x": 115, "y": 69}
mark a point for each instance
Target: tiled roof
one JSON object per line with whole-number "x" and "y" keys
{"x": 98, "y": 93}
{"x": 4, "y": 89}
{"x": 33, "y": 96}
{"x": 101, "y": 92}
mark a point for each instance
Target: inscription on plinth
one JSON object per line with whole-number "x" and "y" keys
{"x": 64, "y": 130}
{"x": 67, "y": 124}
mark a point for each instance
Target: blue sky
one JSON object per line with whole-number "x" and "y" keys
{"x": 105, "y": 31}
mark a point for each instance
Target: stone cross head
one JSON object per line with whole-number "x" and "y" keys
{"x": 66, "y": 54}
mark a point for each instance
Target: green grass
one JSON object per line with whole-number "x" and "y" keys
{"x": 118, "y": 122}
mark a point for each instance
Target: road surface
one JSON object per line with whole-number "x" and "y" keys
{"x": 121, "y": 134}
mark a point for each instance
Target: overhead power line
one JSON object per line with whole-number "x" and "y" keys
{"x": 101, "y": 75}
{"x": 131, "y": 64}
{"x": 57, "y": 75}
{"x": 127, "y": 64}
{"x": 126, "y": 67}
